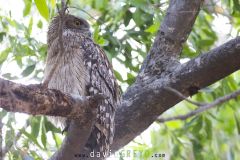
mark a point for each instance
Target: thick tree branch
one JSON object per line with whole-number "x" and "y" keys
{"x": 159, "y": 64}
{"x": 75, "y": 140}
{"x": 174, "y": 30}
{"x": 144, "y": 102}
{"x": 168, "y": 43}
{"x": 37, "y": 100}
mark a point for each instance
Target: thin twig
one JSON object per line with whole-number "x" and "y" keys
{"x": 101, "y": 22}
{"x": 61, "y": 13}
{"x": 183, "y": 97}
{"x": 203, "y": 108}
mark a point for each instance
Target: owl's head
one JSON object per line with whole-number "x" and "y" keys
{"x": 70, "y": 22}
{"x": 76, "y": 23}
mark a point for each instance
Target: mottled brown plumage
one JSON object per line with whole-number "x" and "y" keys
{"x": 83, "y": 69}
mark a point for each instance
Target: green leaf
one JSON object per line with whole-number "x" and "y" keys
{"x": 237, "y": 123}
{"x": 118, "y": 76}
{"x": 2, "y": 34}
{"x": 30, "y": 26}
{"x": 35, "y": 125}
{"x": 197, "y": 127}
{"x": 236, "y": 5}
{"x": 137, "y": 17}
{"x": 210, "y": 34}
{"x": 197, "y": 149}
{"x": 206, "y": 42}
{"x": 43, "y": 136}
{"x": 18, "y": 59}
{"x": 128, "y": 49}
{"x": 127, "y": 18}
{"x": 101, "y": 4}
{"x": 4, "y": 54}
{"x": 153, "y": 28}
{"x": 27, "y": 8}
{"x": 50, "y": 127}
{"x": 10, "y": 135}
{"x": 130, "y": 78}
{"x": 3, "y": 113}
{"x": 102, "y": 42}
{"x": 39, "y": 24}
{"x": 27, "y": 71}
{"x": 42, "y": 8}
{"x": 96, "y": 34}
{"x": 31, "y": 137}
{"x": 176, "y": 151}
{"x": 139, "y": 3}
{"x": 188, "y": 52}
{"x": 56, "y": 139}
{"x": 35, "y": 155}
{"x": 53, "y": 3}
{"x": 9, "y": 76}
{"x": 208, "y": 128}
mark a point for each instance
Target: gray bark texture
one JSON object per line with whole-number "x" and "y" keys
{"x": 148, "y": 98}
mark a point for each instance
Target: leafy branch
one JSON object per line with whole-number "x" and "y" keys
{"x": 202, "y": 106}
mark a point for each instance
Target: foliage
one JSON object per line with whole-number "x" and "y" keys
{"x": 125, "y": 30}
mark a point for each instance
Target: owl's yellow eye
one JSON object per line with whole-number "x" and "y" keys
{"x": 77, "y": 23}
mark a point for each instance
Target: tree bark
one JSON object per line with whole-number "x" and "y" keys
{"x": 38, "y": 100}
{"x": 144, "y": 102}
{"x": 147, "y": 98}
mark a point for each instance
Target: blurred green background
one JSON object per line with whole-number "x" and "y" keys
{"x": 125, "y": 29}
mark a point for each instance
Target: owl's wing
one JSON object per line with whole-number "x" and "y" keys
{"x": 101, "y": 80}
{"x": 100, "y": 70}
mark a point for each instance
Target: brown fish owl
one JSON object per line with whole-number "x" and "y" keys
{"x": 83, "y": 69}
